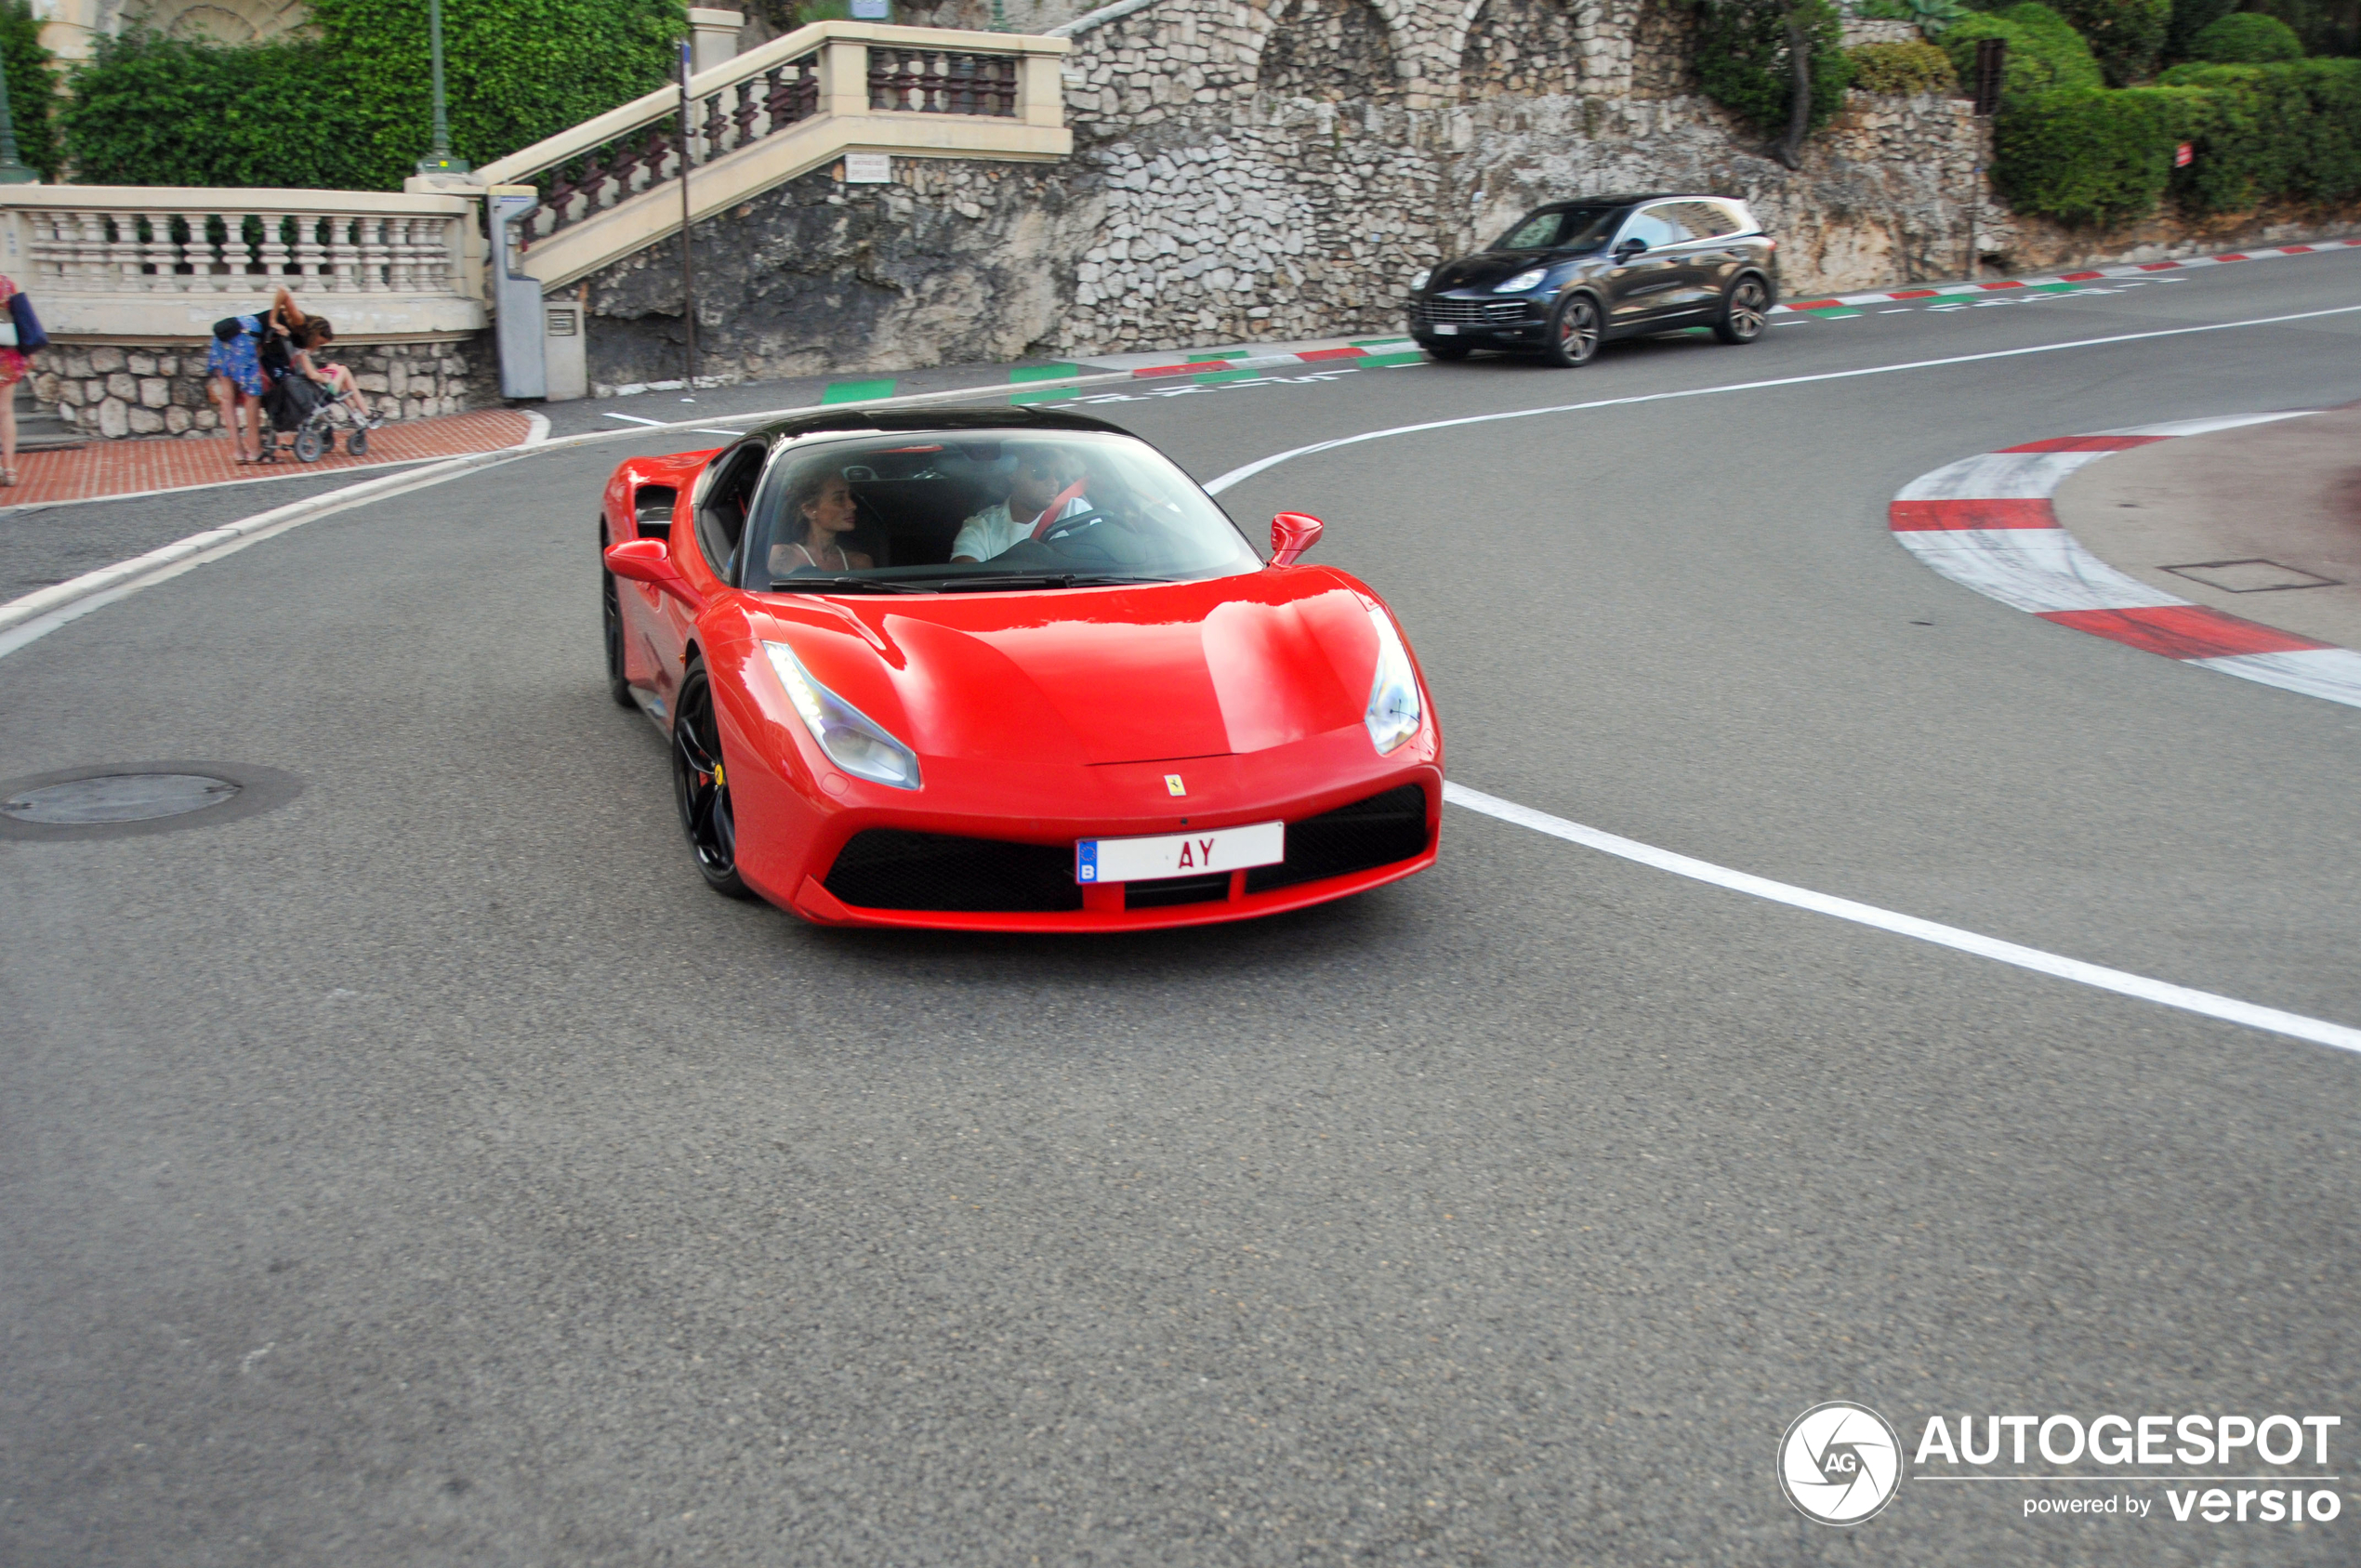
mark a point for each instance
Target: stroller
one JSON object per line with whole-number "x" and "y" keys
{"x": 296, "y": 404}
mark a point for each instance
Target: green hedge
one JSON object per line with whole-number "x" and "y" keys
{"x": 2191, "y": 18}
{"x": 2258, "y": 133}
{"x": 2126, "y": 36}
{"x": 2246, "y": 38}
{"x": 2045, "y": 52}
{"x": 1742, "y": 61}
{"x": 1901, "y": 67}
{"x": 352, "y": 107}
{"x": 154, "y": 111}
{"x": 32, "y": 90}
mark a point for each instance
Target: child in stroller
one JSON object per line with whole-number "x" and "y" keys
{"x": 307, "y": 399}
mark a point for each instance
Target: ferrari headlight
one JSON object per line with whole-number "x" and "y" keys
{"x": 1531, "y": 278}
{"x": 1418, "y": 279}
{"x": 852, "y": 741}
{"x": 1394, "y": 710}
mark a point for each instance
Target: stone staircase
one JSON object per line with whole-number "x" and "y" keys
{"x": 37, "y": 431}
{"x": 610, "y": 186}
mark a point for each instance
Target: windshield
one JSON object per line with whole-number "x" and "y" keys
{"x": 979, "y": 510}
{"x": 1575, "y": 227}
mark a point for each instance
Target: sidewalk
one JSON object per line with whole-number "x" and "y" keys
{"x": 2263, "y": 522}
{"x": 132, "y": 468}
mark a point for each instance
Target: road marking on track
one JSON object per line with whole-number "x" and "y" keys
{"x": 2317, "y": 1030}
{"x": 1240, "y": 474}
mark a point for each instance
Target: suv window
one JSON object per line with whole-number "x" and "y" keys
{"x": 723, "y": 502}
{"x": 1707, "y": 220}
{"x": 1658, "y": 226}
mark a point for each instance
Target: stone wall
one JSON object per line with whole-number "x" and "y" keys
{"x": 112, "y": 390}
{"x": 1277, "y": 169}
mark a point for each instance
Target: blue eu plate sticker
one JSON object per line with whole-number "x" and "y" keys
{"x": 1086, "y": 860}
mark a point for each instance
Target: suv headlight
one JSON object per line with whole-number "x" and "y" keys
{"x": 851, "y": 740}
{"x": 1394, "y": 710}
{"x": 1418, "y": 279}
{"x": 1522, "y": 280}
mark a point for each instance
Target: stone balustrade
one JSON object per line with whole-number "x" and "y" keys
{"x": 158, "y": 264}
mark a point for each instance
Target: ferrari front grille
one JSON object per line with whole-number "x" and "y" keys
{"x": 1165, "y": 891}
{"x": 1361, "y": 836}
{"x": 1469, "y": 312}
{"x": 889, "y": 868}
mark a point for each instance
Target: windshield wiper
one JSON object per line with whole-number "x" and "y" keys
{"x": 1040, "y": 580}
{"x": 843, "y": 585}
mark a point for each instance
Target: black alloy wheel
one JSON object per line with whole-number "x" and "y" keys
{"x": 610, "y": 617}
{"x": 700, "y": 785}
{"x": 1447, "y": 351}
{"x": 1573, "y": 331}
{"x": 1746, "y": 311}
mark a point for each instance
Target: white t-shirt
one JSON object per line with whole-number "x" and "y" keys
{"x": 993, "y": 531}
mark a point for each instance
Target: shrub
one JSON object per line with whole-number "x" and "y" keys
{"x": 2189, "y": 19}
{"x": 2326, "y": 27}
{"x": 2246, "y": 38}
{"x": 2088, "y": 154}
{"x": 149, "y": 110}
{"x": 1742, "y": 61}
{"x": 2126, "y": 36}
{"x": 2288, "y": 131}
{"x": 1902, "y": 68}
{"x": 2045, "y": 54}
{"x": 516, "y": 70}
{"x": 31, "y": 89}
{"x": 351, "y": 109}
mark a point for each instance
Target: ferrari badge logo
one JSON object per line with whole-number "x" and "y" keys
{"x": 1172, "y": 784}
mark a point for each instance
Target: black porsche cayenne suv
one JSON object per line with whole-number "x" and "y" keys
{"x": 1568, "y": 276}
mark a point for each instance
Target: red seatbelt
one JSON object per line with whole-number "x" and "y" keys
{"x": 1050, "y": 514}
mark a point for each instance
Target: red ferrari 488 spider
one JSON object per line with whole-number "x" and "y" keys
{"x": 1007, "y": 670}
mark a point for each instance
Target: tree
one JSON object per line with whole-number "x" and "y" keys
{"x": 1778, "y": 64}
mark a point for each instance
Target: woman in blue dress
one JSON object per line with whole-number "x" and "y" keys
{"x": 233, "y": 371}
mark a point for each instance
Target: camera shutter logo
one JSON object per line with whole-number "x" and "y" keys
{"x": 1839, "y": 1463}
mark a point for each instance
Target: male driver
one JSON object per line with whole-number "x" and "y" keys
{"x": 1044, "y": 473}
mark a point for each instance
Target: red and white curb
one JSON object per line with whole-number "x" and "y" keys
{"x": 1268, "y": 361}
{"x": 2139, "y": 269}
{"x": 1987, "y": 523}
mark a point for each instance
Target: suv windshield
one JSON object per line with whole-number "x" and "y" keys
{"x": 980, "y": 509}
{"x": 1582, "y": 227}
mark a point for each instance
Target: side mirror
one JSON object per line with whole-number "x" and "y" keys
{"x": 1291, "y": 535}
{"x": 1630, "y": 249}
{"x": 650, "y": 562}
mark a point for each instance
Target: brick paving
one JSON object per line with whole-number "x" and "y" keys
{"x": 128, "y": 467}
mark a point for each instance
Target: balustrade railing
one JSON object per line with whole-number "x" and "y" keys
{"x": 113, "y": 249}
{"x": 942, "y": 82}
{"x": 720, "y": 122}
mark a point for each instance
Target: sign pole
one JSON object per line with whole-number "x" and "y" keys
{"x": 688, "y": 264}
{"x": 1991, "y": 69}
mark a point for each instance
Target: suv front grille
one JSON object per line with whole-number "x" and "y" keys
{"x": 1467, "y": 312}
{"x": 889, "y": 868}
{"x": 1361, "y": 837}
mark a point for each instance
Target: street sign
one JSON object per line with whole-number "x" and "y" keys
{"x": 868, "y": 168}
{"x": 2183, "y": 154}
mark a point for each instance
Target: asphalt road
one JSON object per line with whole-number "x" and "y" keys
{"x": 430, "y": 1170}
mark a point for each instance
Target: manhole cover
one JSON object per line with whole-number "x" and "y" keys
{"x": 119, "y": 798}
{"x": 2251, "y": 576}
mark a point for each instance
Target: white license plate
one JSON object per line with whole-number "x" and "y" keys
{"x": 1179, "y": 854}
{"x": 1446, "y": 329}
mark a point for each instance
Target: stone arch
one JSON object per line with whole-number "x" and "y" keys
{"x": 1339, "y": 50}
{"x": 1664, "y": 49}
{"x": 1531, "y": 48}
{"x": 220, "y": 22}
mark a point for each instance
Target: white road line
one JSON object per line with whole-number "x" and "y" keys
{"x": 1238, "y": 475}
{"x": 2316, "y": 1030}
{"x": 633, "y": 418}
